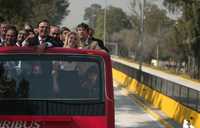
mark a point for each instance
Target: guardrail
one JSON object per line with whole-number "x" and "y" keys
{"x": 184, "y": 95}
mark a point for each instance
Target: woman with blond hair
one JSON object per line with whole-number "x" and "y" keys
{"x": 72, "y": 40}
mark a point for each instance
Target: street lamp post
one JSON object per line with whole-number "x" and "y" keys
{"x": 141, "y": 39}
{"x": 93, "y": 23}
{"x": 105, "y": 16}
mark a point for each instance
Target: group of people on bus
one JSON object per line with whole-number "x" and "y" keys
{"x": 46, "y": 35}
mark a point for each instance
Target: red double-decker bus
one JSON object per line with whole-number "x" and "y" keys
{"x": 55, "y": 88}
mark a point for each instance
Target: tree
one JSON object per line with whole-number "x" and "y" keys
{"x": 14, "y": 11}
{"x": 117, "y": 24}
{"x": 19, "y": 11}
{"x": 91, "y": 14}
{"x": 127, "y": 41}
{"x": 116, "y": 21}
{"x": 156, "y": 25}
{"x": 53, "y": 10}
{"x": 191, "y": 21}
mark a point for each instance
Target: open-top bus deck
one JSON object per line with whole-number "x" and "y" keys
{"x": 55, "y": 88}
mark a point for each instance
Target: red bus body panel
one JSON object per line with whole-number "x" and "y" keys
{"x": 53, "y": 122}
{"x": 105, "y": 121}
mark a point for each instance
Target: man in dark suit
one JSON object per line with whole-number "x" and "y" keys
{"x": 42, "y": 39}
{"x": 41, "y": 70}
{"x": 55, "y": 34}
{"x": 92, "y": 38}
{"x": 3, "y": 29}
{"x": 87, "y": 40}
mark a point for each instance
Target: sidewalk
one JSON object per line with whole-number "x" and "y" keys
{"x": 148, "y": 108}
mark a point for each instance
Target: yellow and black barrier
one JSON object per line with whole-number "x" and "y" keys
{"x": 172, "y": 108}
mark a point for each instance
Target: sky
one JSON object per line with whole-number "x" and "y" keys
{"x": 77, "y": 8}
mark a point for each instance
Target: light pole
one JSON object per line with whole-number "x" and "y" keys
{"x": 141, "y": 38}
{"x": 93, "y": 23}
{"x": 158, "y": 43}
{"x": 105, "y": 16}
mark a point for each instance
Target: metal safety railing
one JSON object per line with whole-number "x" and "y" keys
{"x": 184, "y": 95}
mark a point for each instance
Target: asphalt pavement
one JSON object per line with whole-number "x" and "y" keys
{"x": 129, "y": 114}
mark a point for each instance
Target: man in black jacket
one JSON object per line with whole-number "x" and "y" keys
{"x": 87, "y": 39}
{"x": 42, "y": 39}
{"x": 92, "y": 38}
{"x": 3, "y": 29}
{"x": 55, "y": 34}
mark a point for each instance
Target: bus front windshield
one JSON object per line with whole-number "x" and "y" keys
{"x": 50, "y": 78}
